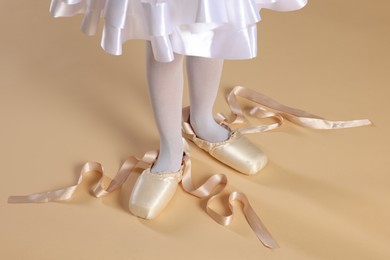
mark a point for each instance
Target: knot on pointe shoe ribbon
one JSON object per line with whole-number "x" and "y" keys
{"x": 269, "y": 108}
{"x": 107, "y": 185}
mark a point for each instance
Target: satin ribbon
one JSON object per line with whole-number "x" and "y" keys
{"x": 203, "y": 191}
{"x": 217, "y": 180}
{"x": 98, "y": 190}
{"x": 221, "y": 180}
{"x": 269, "y": 108}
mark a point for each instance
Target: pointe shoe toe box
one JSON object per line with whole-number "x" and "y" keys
{"x": 152, "y": 192}
{"x": 240, "y": 153}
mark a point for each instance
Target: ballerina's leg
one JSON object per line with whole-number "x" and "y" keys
{"x": 165, "y": 81}
{"x": 204, "y": 76}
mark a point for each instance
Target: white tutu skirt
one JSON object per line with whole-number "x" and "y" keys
{"x": 223, "y": 29}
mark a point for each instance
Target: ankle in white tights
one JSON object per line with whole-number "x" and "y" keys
{"x": 165, "y": 81}
{"x": 204, "y": 75}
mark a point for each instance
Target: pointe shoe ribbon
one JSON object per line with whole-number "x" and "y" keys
{"x": 206, "y": 189}
{"x": 237, "y": 152}
{"x": 269, "y": 108}
{"x": 107, "y": 185}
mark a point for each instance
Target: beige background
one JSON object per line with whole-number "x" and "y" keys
{"x": 324, "y": 194}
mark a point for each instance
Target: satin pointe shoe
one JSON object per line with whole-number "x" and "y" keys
{"x": 152, "y": 192}
{"x": 237, "y": 151}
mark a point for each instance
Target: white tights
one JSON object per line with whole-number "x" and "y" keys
{"x": 165, "y": 81}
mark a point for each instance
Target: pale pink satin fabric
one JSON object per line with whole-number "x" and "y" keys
{"x": 203, "y": 191}
{"x": 269, "y": 108}
{"x": 279, "y": 113}
{"x": 221, "y": 180}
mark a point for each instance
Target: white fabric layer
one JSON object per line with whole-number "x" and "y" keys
{"x": 224, "y": 29}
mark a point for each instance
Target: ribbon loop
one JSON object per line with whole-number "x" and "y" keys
{"x": 98, "y": 190}
{"x": 203, "y": 191}
{"x": 206, "y": 189}
{"x": 268, "y": 108}
{"x": 254, "y": 221}
{"x": 279, "y": 113}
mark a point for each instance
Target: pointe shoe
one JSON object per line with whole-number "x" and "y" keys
{"x": 237, "y": 151}
{"x": 152, "y": 192}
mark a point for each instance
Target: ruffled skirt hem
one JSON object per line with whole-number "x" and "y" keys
{"x": 223, "y": 29}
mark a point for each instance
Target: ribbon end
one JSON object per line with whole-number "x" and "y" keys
{"x": 17, "y": 199}
{"x": 271, "y": 244}
{"x": 10, "y": 200}
{"x": 369, "y": 122}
